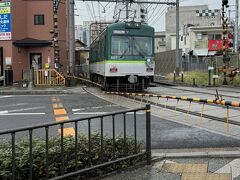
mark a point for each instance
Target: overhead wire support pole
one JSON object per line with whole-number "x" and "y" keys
{"x": 71, "y": 37}
{"x": 55, "y": 35}
{"x": 177, "y": 70}
{"x": 127, "y": 10}
{"x": 236, "y": 28}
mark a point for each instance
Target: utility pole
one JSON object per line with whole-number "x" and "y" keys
{"x": 177, "y": 70}
{"x": 55, "y": 35}
{"x": 236, "y": 29}
{"x": 71, "y": 37}
{"x": 127, "y": 10}
{"x": 226, "y": 57}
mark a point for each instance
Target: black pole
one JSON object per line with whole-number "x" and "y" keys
{"x": 148, "y": 133}
{"x": 209, "y": 77}
{"x": 182, "y": 77}
{"x": 224, "y": 74}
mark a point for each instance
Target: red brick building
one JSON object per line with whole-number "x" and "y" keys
{"x": 25, "y": 36}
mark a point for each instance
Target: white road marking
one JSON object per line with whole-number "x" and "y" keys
{"x": 5, "y": 97}
{"x": 27, "y": 109}
{"x": 17, "y": 114}
{"x": 10, "y": 105}
{"x": 232, "y": 167}
{"x": 96, "y": 107}
{"x": 3, "y": 112}
{"x": 80, "y": 109}
{"x": 140, "y": 113}
{"x": 86, "y": 113}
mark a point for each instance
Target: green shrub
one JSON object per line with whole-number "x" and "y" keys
{"x": 84, "y": 157}
{"x": 201, "y": 78}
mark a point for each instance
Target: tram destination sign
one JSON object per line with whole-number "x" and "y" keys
{"x": 5, "y": 21}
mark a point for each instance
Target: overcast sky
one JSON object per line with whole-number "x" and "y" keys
{"x": 84, "y": 11}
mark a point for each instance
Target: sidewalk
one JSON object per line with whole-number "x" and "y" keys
{"x": 214, "y": 169}
{"x": 16, "y": 90}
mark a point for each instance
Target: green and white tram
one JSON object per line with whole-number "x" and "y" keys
{"x": 122, "y": 57}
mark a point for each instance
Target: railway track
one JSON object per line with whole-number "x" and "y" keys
{"x": 199, "y": 90}
{"x": 203, "y": 107}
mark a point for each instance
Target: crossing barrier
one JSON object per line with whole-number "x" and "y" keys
{"x": 184, "y": 98}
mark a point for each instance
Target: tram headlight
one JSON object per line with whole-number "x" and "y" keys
{"x": 149, "y": 62}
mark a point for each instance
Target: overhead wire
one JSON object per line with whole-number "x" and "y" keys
{"x": 89, "y": 11}
{"x": 99, "y": 14}
{"x": 154, "y": 9}
{"x": 159, "y": 16}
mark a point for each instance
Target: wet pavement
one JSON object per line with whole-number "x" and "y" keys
{"x": 155, "y": 171}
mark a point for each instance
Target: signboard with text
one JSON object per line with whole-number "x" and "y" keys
{"x": 214, "y": 45}
{"x": 5, "y": 21}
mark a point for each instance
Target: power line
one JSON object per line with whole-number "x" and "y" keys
{"x": 93, "y": 11}
{"x": 152, "y": 12}
{"x": 160, "y": 15}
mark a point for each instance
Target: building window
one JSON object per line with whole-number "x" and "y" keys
{"x": 39, "y": 19}
{"x": 211, "y": 37}
{"x": 214, "y": 37}
{"x": 218, "y": 36}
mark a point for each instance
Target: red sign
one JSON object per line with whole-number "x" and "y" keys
{"x": 214, "y": 45}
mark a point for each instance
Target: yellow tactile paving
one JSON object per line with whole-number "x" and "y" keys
{"x": 63, "y": 118}
{"x": 185, "y": 168}
{"x": 218, "y": 176}
{"x": 206, "y": 176}
{"x": 67, "y": 131}
{"x": 194, "y": 176}
{"x": 59, "y": 111}
{"x": 57, "y": 105}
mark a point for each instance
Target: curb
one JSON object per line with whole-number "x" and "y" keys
{"x": 204, "y": 154}
{"x": 32, "y": 92}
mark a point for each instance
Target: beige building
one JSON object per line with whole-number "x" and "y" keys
{"x": 27, "y": 43}
{"x": 160, "y": 41}
{"x": 189, "y": 16}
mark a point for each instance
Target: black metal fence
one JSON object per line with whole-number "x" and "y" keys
{"x": 46, "y": 135}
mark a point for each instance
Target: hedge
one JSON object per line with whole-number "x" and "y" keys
{"x": 54, "y": 156}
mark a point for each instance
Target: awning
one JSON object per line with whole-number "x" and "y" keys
{"x": 211, "y": 53}
{"x": 200, "y": 52}
{"x": 203, "y": 52}
{"x": 30, "y": 42}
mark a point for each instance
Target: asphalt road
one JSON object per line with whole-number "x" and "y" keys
{"x": 18, "y": 111}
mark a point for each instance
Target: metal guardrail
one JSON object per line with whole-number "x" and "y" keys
{"x": 113, "y": 160}
{"x": 45, "y": 77}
